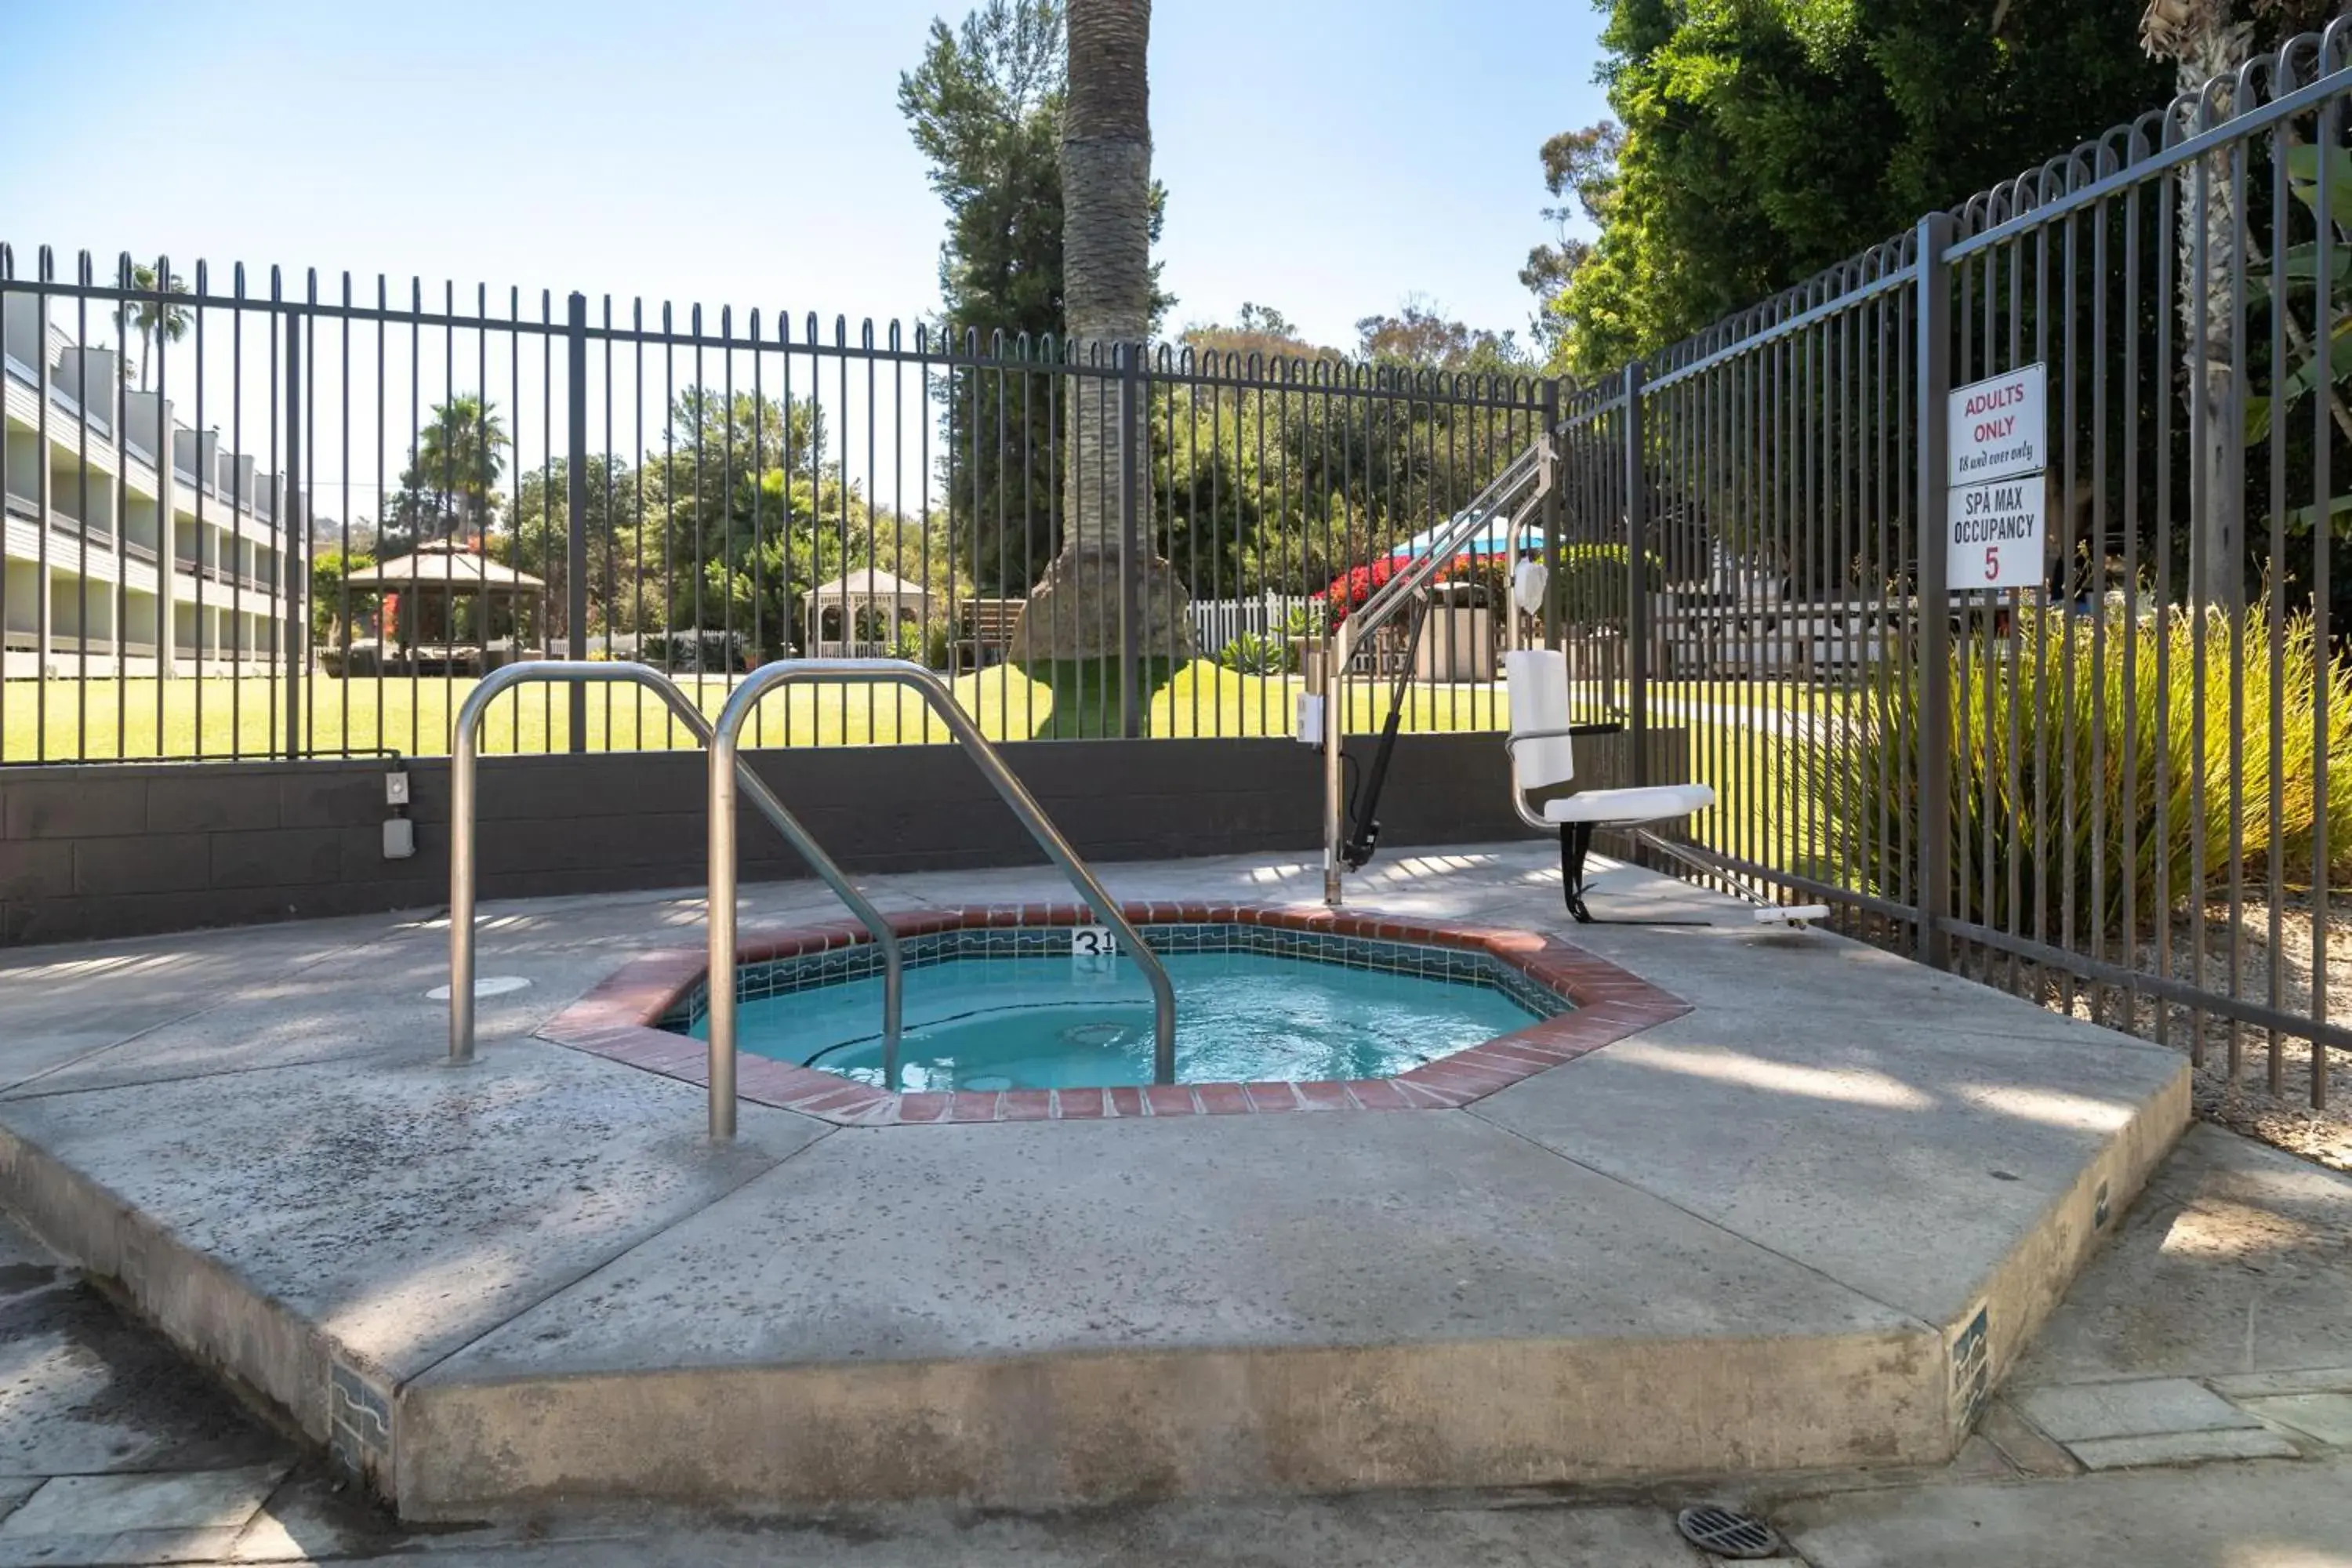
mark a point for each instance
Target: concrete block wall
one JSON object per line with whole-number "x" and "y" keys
{"x": 108, "y": 850}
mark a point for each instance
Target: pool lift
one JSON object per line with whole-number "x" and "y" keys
{"x": 1351, "y": 827}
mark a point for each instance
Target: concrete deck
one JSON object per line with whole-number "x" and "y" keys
{"x": 1812, "y": 1223}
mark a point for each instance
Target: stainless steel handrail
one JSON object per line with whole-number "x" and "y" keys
{"x": 463, "y": 755}
{"x": 1511, "y": 744}
{"x": 724, "y": 768}
{"x": 1537, "y": 465}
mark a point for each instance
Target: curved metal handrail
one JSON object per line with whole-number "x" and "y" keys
{"x": 464, "y": 748}
{"x": 724, "y": 766}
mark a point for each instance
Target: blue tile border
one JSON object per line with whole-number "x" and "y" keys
{"x": 1423, "y": 961}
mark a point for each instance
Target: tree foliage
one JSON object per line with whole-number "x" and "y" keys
{"x": 1764, "y": 139}
{"x": 450, "y": 487}
{"x": 739, "y": 510}
{"x": 150, "y": 319}
{"x": 984, "y": 109}
{"x": 1276, "y": 488}
{"x": 329, "y": 568}
{"x": 1421, "y": 337}
{"x": 536, "y": 540}
{"x": 1579, "y": 168}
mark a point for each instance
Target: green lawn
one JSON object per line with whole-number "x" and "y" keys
{"x": 107, "y": 720}
{"x": 1769, "y": 783}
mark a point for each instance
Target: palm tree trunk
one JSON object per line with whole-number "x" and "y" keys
{"x": 1075, "y": 611}
{"x": 2202, "y": 41}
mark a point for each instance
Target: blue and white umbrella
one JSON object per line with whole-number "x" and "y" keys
{"x": 1494, "y": 539}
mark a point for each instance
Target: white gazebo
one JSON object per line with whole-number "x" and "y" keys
{"x": 862, "y": 612}
{"x": 431, "y": 583}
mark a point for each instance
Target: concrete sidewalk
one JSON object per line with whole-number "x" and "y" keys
{"x": 132, "y": 1455}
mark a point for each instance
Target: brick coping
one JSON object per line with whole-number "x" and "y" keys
{"x": 618, "y": 1020}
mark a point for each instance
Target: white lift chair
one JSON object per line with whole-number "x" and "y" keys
{"x": 1543, "y": 754}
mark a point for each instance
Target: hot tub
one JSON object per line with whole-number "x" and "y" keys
{"x": 1046, "y": 1007}
{"x": 1278, "y": 1009}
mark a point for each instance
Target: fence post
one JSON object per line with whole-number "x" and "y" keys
{"x": 1130, "y": 554}
{"x": 575, "y": 560}
{"x": 1932, "y": 314}
{"x": 1637, "y": 603}
{"x": 294, "y": 530}
{"x": 1555, "y": 486}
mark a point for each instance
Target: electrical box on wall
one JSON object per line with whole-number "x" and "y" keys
{"x": 399, "y": 831}
{"x": 1309, "y": 732}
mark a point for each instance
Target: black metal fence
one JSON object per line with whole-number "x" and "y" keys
{"x": 2110, "y": 779}
{"x": 2062, "y": 703}
{"x": 374, "y": 499}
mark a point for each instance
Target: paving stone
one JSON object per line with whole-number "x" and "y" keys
{"x": 2326, "y": 1416}
{"x": 125, "y": 1549}
{"x": 197, "y": 1500}
{"x": 2265, "y": 1514}
{"x": 2073, "y": 1413}
{"x": 14, "y": 1490}
{"x": 2262, "y": 1385}
{"x": 2181, "y": 1448}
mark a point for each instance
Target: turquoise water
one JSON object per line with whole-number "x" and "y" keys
{"x": 1066, "y": 1022}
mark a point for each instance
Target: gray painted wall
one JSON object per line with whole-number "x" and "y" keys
{"x": 104, "y": 851}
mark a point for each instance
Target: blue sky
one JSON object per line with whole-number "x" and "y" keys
{"x": 1328, "y": 157}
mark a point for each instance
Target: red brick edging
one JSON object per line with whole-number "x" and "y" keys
{"x": 618, "y": 1018}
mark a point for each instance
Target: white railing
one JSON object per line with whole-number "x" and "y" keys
{"x": 1216, "y": 622}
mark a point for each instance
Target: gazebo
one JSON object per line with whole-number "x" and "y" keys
{"x": 862, "y": 612}
{"x": 425, "y": 587}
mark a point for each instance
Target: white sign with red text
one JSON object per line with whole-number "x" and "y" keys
{"x": 1999, "y": 430}
{"x": 1998, "y": 427}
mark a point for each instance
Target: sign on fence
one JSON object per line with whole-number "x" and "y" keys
{"x": 1996, "y": 532}
{"x": 1999, "y": 428}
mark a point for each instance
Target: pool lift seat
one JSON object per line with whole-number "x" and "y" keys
{"x": 1543, "y": 755}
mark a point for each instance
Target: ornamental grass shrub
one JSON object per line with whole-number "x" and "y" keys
{"x": 2087, "y": 765}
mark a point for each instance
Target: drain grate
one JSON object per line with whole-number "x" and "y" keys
{"x": 1726, "y": 1533}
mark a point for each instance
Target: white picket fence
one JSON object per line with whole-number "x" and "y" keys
{"x": 1216, "y": 622}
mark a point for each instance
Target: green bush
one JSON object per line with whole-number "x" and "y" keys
{"x": 1301, "y": 621}
{"x": 1252, "y": 654}
{"x": 2019, "y": 726}
{"x": 910, "y": 642}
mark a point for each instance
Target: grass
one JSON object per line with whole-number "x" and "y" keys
{"x": 1769, "y": 785}
{"x": 2083, "y": 787}
{"x": 64, "y": 720}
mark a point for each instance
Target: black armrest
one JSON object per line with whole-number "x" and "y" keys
{"x": 1512, "y": 744}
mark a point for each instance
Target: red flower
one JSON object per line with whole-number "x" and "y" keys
{"x": 1348, "y": 591}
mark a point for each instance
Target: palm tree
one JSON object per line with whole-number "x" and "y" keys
{"x": 2203, "y": 42}
{"x": 1107, "y": 298}
{"x": 451, "y": 484}
{"x": 151, "y": 315}
{"x": 2207, "y": 40}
